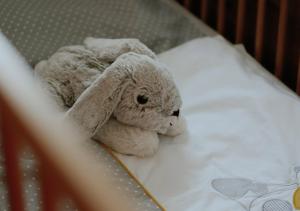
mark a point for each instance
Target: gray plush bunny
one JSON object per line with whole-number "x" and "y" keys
{"x": 116, "y": 91}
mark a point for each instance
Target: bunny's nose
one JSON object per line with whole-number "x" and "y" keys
{"x": 176, "y": 113}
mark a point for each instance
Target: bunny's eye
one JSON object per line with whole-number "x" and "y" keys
{"x": 142, "y": 99}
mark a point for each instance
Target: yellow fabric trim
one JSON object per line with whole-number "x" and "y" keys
{"x": 131, "y": 175}
{"x": 296, "y": 199}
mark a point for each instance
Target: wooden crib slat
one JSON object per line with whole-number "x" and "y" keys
{"x": 281, "y": 38}
{"x": 221, "y": 16}
{"x": 49, "y": 188}
{"x": 260, "y": 19}
{"x": 11, "y": 147}
{"x": 203, "y": 11}
{"x": 298, "y": 78}
{"x": 241, "y": 9}
{"x": 186, "y": 4}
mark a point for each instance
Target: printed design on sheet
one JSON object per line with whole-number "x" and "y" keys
{"x": 257, "y": 196}
{"x": 277, "y": 205}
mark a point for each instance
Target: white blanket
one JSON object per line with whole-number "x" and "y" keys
{"x": 242, "y": 144}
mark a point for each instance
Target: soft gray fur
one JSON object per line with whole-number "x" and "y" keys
{"x": 98, "y": 85}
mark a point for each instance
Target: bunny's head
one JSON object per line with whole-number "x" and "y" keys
{"x": 150, "y": 98}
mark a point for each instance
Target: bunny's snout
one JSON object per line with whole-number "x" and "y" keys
{"x": 176, "y": 113}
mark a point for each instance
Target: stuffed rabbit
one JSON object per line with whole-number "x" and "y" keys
{"x": 116, "y": 91}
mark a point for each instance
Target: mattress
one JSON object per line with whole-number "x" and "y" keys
{"x": 241, "y": 148}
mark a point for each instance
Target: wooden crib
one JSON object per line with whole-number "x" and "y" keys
{"x": 27, "y": 120}
{"x": 269, "y": 29}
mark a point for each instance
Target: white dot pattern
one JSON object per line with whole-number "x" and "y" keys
{"x": 38, "y": 28}
{"x": 123, "y": 181}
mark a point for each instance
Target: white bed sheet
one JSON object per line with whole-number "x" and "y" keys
{"x": 243, "y": 125}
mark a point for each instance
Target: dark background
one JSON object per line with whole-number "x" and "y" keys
{"x": 292, "y": 41}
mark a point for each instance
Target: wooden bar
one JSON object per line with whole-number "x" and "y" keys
{"x": 186, "y": 4}
{"x": 281, "y": 38}
{"x": 298, "y": 79}
{"x": 11, "y": 147}
{"x": 259, "y": 36}
{"x": 49, "y": 187}
{"x": 221, "y": 16}
{"x": 203, "y": 12}
{"x": 241, "y": 10}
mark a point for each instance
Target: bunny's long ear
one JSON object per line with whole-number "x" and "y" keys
{"x": 95, "y": 105}
{"x": 110, "y": 49}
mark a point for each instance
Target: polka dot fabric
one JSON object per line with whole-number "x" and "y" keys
{"x": 38, "y": 28}
{"x": 31, "y": 186}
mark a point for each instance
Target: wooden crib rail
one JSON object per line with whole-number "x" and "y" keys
{"x": 66, "y": 165}
{"x": 282, "y": 25}
{"x": 275, "y": 63}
